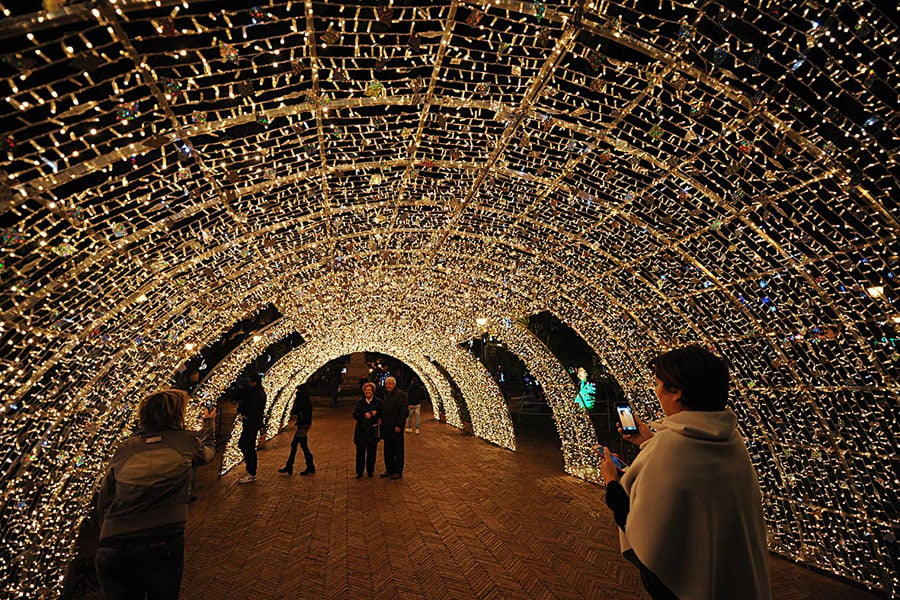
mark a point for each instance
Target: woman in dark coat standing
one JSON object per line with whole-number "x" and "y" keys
{"x": 303, "y": 409}
{"x": 368, "y": 420}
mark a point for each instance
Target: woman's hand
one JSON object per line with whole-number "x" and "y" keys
{"x": 641, "y": 436}
{"x": 210, "y": 413}
{"x": 608, "y": 469}
{"x": 369, "y": 415}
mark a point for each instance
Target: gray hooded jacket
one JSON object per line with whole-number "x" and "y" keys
{"x": 147, "y": 489}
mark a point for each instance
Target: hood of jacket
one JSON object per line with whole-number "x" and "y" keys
{"x": 715, "y": 426}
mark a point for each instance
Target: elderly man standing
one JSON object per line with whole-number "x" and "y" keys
{"x": 394, "y": 412}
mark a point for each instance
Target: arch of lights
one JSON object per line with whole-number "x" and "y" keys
{"x": 492, "y": 418}
{"x": 227, "y": 371}
{"x": 576, "y": 430}
{"x": 654, "y": 175}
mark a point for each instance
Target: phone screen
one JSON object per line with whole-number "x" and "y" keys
{"x": 620, "y": 464}
{"x": 626, "y": 418}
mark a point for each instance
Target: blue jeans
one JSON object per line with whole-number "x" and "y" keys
{"x": 129, "y": 571}
{"x": 415, "y": 411}
{"x": 300, "y": 437}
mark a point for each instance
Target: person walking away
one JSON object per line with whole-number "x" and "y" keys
{"x": 416, "y": 395}
{"x": 303, "y": 409}
{"x": 334, "y": 388}
{"x": 143, "y": 500}
{"x": 252, "y": 410}
{"x": 689, "y": 508}
{"x": 395, "y": 412}
{"x": 367, "y": 413}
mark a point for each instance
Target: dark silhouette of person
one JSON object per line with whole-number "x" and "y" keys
{"x": 395, "y": 407}
{"x": 252, "y": 409}
{"x": 365, "y": 436}
{"x": 303, "y": 409}
{"x": 417, "y": 395}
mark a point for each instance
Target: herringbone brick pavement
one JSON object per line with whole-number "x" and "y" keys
{"x": 468, "y": 520}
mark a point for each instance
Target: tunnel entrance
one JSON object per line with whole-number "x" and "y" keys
{"x": 339, "y": 381}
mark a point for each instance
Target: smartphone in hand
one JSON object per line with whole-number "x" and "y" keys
{"x": 626, "y": 419}
{"x": 620, "y": 464}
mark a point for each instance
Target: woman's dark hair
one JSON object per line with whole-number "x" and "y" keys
{"x": 256, "y": 378}
{"x": 701, "y": 376}
{"x": 163, "y": 410}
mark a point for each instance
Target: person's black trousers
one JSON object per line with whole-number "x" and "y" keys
{"x": 365, "y": 457}
{"x": 393, "y": 452}
{"x": 151, "y": 569}
{"x": 247, "y": 445}
{"x": 303, "y": 440}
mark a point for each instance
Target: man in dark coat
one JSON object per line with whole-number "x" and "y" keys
{"x": 252, "y": 409}
{"x": 395, "y": 410}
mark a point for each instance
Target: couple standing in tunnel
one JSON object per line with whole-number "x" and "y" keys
{"x": 380, "y": 419}
{"x": 375, "y": 420}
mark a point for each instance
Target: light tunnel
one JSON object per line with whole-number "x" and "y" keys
{"x": 654, "y": 174}
{"x": 490, "y": 417}
{"x": 489, "y": 411}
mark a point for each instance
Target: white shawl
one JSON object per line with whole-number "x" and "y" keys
{"x": 695, "y": 516}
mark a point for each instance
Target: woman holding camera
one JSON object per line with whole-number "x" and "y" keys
{"x": 143, "y": 502}
{"x": 689, "y": 508}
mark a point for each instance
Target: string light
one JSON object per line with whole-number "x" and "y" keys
{"x": 398, "y": 172}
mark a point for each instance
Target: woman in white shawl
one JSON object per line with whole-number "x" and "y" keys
{"x": 689, "y": 508}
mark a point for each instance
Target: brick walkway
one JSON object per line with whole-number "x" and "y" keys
{"x": 468, "y": 520}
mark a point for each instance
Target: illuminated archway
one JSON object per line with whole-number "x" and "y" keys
{"x": 490, "y": 416}
{"x": 653, "y": 174}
